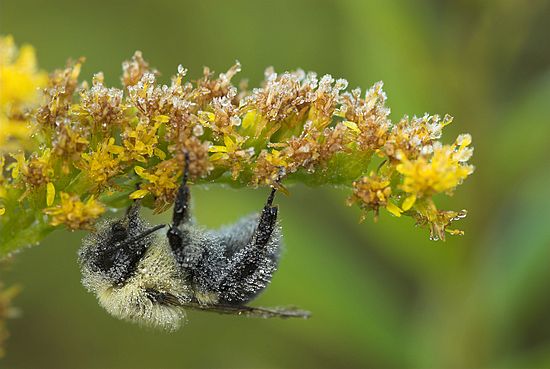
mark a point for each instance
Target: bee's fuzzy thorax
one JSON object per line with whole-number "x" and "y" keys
{"x": 156, "y": 271}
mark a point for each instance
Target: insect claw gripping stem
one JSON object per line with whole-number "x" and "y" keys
{"x": 181, "y": 208}
{"x": 267, "y": 221}
{"x": 181, "y": 204}
{"x": 269, "y": 201}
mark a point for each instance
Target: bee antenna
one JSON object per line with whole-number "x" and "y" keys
{"x": 142, "y": 235}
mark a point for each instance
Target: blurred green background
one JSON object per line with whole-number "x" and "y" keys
{"x": 382, "y": 295}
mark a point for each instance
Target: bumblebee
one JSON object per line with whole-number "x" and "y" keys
{"x": 149, "y": 275}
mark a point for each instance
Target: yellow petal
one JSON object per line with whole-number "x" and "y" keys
{"x": 139, "y": 170}
{"x": 161, "y": 118}
{"x": 217, "y": 149}
{"x": 409, "y": 202}
{"x": 218, "y": 156}
{"x": 249, "y": 119}
{"x": 394, "y": 209}
{"x": 115, "y": 149}
{"x": 138, "y": 194}
{"x": 2, "y": 210}
{"x": 50, "y": 194}
{"x": 352, "y": 126}
{"x": 229, "y": 143}
{"x": 158, "y": 152}
{"x": 15, "y": 172}
{"x": 211, "y": 116}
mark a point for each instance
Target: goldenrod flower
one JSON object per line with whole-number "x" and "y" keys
{"x": 161, "y": 181}
{"x": 33, "y": 172}
{"x": 69, "y": 143}
{"x": 231, "y": 154}
{"x": 371, "y": 193}
{"x": 437, "y": 220}
{"x": 140, "y": 142}
{"x": 296, "y": 127}
{"x": 74, "y": 213}
{"x": 441, "y": 171}
{"x": 102, "y": 164}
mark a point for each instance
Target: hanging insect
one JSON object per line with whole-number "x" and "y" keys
{"x": 149, "y": 277}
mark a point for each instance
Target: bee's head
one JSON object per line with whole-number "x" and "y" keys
{"x": 113, "y": 251}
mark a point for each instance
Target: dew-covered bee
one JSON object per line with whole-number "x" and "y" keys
{"x": 148, "y": 277}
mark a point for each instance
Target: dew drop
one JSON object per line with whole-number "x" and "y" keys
{"x": 198, "y": 130}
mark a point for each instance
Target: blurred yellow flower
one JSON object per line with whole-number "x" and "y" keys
{"x": 20, "y": 82}
{"x": 20, "y": 78}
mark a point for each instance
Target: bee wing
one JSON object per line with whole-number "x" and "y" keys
{"x": 258, "y": 312}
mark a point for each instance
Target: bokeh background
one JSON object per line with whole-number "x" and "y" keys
{"x": 382, "y": 295}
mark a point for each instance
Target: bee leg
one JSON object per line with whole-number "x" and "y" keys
{"x": 251, "y": 268}
{"x": 267, "y": 221}
{"x": 181, "y": 209}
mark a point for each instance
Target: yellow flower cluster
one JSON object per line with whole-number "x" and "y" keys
{"x": 101, "y": 142}
{"x": 441, "y": 171}
{"x": 373, "y": 192}
{"x": 161, "y": 182}
{"x": 74, "y": 213}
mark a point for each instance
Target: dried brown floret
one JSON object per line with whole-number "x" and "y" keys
{"x": 368, "y": 117}
{"x": 34, "y": 172}
{"x": 325, "y": 100}
{"x": 59, "y": 94}
{"x": 282, "y": 95}
{"x": 69, "y": 142}
{"x": 104, "y": 106}
{"x": 302, "y": 151}
{"x": 134, "y": 69}
{"x": 415, "y": 136}
{"x": 225, "y": 117}
{"x": 335, "y": 139}
{"x": 199, "y": 161}
{"x": 268, "y": 167}
{"x": 152, "y": 99}
{"x": 209, "y": 88}
{"x": 371, "y": 192}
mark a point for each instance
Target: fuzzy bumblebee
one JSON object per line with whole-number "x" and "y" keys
{"x": 149, "y": 277}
